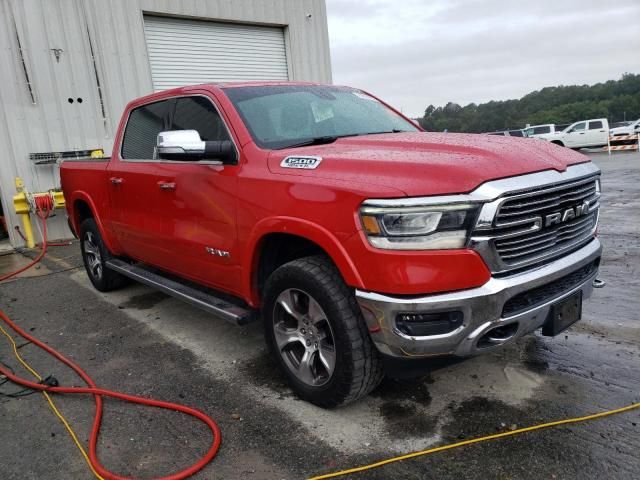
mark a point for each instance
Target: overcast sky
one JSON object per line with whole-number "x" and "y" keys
{"x": 413, "y": 53}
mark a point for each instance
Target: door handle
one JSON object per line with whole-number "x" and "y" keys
{"x": 167, "y": 185}
{"x": 116, "y": 180}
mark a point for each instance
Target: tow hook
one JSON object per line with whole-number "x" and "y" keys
{"x": 597, "y": 283}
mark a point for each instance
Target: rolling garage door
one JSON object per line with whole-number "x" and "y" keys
{"x": 188, "y": 52}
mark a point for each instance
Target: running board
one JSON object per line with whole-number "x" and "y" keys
{"x": 194, "y": 295}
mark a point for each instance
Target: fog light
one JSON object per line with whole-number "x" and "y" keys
{"x": 426, "y": 324}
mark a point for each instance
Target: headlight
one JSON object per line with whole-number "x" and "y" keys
{"x": 419, "y": 228}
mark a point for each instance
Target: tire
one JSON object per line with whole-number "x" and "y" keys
{"x": 315, "y": 331}
{"x": 558, "y": 142}
{"x": 94, "y": 256}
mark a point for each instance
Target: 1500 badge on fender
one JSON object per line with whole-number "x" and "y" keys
{"x": 310, "y": 163}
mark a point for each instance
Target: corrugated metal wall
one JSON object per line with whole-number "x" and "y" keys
{"x": 85, "y": 59}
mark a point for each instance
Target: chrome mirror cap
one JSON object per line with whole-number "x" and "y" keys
{"x": 179, "y": 142}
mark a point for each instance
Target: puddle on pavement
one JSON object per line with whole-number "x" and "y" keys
{"x": 406, "y": 420}
{"x": 145, "y": 301}
{"x": 533, "y": 353}
{"x": 398, "y": 390}
{"x": 14, "y": 261}
{"x": 264, "y": 371}
{"x": 480, "y": 416}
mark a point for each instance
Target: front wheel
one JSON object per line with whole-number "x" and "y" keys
{"x": 314, "y": 329}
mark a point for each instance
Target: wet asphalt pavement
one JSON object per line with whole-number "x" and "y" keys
{"x": 142, "y": 342}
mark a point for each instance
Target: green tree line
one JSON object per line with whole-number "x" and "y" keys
{"x": 614, "y": 99}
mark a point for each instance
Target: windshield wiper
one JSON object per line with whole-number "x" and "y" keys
{"x": 319, "y": 140}
{"x": 332, "y": 138}
{"x": 395, "y": 130}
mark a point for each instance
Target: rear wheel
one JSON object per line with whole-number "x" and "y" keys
{"x": 314, "y": 329}
{"x": 94, "y": 255}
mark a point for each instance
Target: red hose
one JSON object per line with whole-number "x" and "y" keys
{"x": 44, "y": 205}
{"x": 98, "y": 393}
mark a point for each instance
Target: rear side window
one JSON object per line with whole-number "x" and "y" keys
{"x": 198, "y": 113}
{"x": 596, "y": 125}
{"x": 516, "y": 133}
{"x": 143, "y": 127}
{"x": 541, "y": 130}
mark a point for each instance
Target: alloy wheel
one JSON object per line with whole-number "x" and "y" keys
{"x": 92, "y": 256}
{"x": 303, "y": 337}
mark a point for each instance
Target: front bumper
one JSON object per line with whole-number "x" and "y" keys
{"x": 482, "y": 309}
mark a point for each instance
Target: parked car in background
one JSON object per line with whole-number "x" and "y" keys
{"x": 510, "y": 133}
{"x": 543, "y": 131}
{"x": 585, "y": 133}
{"x": 620, "y": 124}
{"x": 632, "y": 128}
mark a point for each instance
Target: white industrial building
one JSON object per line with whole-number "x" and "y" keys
{"x": 70, "y": 66}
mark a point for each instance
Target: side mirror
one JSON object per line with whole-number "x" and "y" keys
{"x": 186, "y": 145}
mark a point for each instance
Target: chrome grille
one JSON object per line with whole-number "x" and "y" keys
{"x": 522, "y": 233}
{"x": 532, "y": 244}
{"x": 546, "y": 200}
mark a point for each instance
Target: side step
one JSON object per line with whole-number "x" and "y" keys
{"x": 184, "y": 290}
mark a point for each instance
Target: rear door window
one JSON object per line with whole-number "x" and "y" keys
{"x": 597, "y": 125}
{"x": 541, "y": 130}
{"x": 143, "y": 127}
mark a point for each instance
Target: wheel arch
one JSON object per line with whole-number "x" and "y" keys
{"x": 83, "y": 207}
{"x": 268, "y": 243}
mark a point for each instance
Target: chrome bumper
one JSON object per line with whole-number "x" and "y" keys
{"x": 482, "y": 309}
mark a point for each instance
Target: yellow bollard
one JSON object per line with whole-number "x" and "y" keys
{"x": 58, "y": 198}
{"x": 21, "y": 205}
{"x": 22, "y": 208}
{"x": 28, "y": 231}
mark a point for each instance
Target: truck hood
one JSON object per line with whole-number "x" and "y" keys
{"x": 626, "y": 130}
{"x": 420, "y": 163}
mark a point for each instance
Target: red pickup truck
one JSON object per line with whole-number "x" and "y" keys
{"x": 359, "y": 239}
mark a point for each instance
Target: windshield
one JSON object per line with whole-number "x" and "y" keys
{"x": 281, "y": 116}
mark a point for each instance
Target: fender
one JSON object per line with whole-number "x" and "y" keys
{"x": 302, "y": 228}
{"x": 111, "y": 243}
